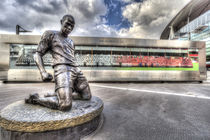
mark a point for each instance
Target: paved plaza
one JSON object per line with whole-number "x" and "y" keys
{"x": 143, "y": 111}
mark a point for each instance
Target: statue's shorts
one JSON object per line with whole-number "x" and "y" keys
{"x": 69, "y": 77}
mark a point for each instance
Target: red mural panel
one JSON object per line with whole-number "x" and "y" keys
{"x": 154, "y": 61}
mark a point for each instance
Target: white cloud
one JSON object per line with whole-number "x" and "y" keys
{"x": 37, "y": 14}
{"x": 41, "y": 15}
{"x": 148, "y": 19}
{"x": 88, "y": 18}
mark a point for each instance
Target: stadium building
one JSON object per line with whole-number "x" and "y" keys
{"x": 109, "y": 59}
{"x": 124, "y": 59}
{"x": 191, "y": 23}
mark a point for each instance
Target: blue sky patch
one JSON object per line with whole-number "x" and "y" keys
{"x": 114, "y": 16}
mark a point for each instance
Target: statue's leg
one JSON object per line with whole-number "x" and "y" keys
{"x": 76, "y": 95}
{"x": 50, "y": 94}
{"x": 86, "y": 93}
{"x": 82, "y": 89}
{"x": 50, "y": 102}
{"x": 81, "y": 86}
{"x": 63, "y": 89}
{"x": 65, "y": 98}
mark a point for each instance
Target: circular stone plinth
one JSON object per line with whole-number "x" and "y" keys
{"x": 34, "y": 118}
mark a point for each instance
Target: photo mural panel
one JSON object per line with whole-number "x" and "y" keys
{"x": 119, "y": 58}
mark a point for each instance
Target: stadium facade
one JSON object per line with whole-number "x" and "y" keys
{"x": 124, "y": 59}
{"x": 109, "y": 59}
{"x": 198, "y": 30}
{"x": 191, "y": 23}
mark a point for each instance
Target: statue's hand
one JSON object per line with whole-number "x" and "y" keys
{"x": 46, "y": 76}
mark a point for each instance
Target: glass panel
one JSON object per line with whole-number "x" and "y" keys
{"x": 107, "y": 57}
{"x": 21, "y": 57}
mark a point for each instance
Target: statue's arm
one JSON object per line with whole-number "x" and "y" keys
{"x": 43, "y": 47}
{"x": 40, "y": 64}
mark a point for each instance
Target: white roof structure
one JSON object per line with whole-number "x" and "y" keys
{"x": 191, "y": 11}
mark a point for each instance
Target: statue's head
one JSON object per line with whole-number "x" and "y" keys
{"x": 67, "y": 24}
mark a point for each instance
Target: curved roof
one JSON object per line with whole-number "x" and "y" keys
{"x": 193, "y": 9}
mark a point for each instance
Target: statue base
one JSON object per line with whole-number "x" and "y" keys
{"x": 32, "y": 122}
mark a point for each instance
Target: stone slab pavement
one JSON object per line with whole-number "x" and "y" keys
{"x": 139, "y": 111}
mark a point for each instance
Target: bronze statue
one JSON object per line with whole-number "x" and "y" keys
{"x": 70, "y": 83}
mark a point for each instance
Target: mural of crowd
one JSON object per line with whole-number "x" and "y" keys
{"x": 116, "y": 60}
{"x": 23, "y": 56}
{"x": 155, "y": 61}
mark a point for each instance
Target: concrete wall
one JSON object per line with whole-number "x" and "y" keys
{"x": 8, "y": 74}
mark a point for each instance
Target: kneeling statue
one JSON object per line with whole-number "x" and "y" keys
{"x": 70, "y": 83}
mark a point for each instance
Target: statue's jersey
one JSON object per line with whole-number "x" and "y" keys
{"x": 62, "y": 49}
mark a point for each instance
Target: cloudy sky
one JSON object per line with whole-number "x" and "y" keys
{"x": 107, "y": 18}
